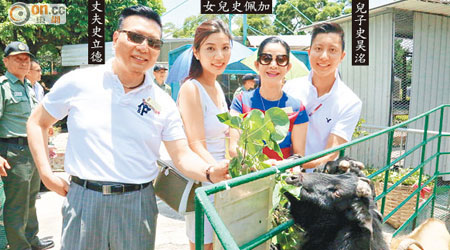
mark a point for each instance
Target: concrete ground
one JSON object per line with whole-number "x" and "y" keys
{"x": 170, "y": 231}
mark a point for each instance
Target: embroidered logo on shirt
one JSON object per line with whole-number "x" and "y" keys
{"x": 143, "y": 108}
{"x": 153, "y": 105}
{"x": 328, "y": 119}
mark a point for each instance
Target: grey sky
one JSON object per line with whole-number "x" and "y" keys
{"x": 177, "y": 16}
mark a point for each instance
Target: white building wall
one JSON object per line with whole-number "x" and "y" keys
{"x": 372, "y": 84}
{"x": 430, "y": 85}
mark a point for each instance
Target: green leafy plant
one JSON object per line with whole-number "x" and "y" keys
{"x": 358, "y": 129}
{"x": 258, "y": 130}
{"x": 396, "y": 175}
{"x": 288, "y": 239}
{"x": 400, "y": 118}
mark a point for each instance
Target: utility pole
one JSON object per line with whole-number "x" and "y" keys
{"x": 230, "y": 16}
{"x": 244, "y": 29}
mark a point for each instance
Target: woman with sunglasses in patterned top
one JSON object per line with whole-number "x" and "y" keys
{"x": 200, "y": 99}
{"x": 272, "y": 65}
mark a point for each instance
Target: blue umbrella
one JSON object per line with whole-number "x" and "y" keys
{"x": 180, "y": 68}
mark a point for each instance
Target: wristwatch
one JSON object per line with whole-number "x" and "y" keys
{"x": 208, "y": 174}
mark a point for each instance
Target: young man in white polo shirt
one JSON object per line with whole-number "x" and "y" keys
{"x": 117, "y": 118}
{"x": 332, "y": 107}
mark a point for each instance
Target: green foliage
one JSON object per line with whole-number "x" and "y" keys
{"x": 400, "y": 118}
{"x": 45, "y": 40}
{"x": 261, "y": 23}
{"x": 257, "y": 131}
{"x": 396, "y": 175}
{"x": 314, "y": 10}
{"x": 403, "y": 64}
{"x": 358, "y": 129}
{"x": 190, "y": 24}
{"x": 290, "y": 238}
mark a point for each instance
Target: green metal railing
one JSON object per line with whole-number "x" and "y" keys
{"x": 205, "y": 207}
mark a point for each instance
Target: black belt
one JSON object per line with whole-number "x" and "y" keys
{"x": 106, "y": 189}
{"x": 15, "y": 140}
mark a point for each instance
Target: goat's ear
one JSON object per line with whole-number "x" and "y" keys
{"x": 378, "y": 214}
{"x": 359, "y": 213}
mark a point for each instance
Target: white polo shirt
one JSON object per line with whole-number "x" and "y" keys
{"x": 336, "y": 112}
{"x": 112, "y": 136}
{"x": 38, "y": 91}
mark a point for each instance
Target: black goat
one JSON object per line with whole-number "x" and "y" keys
{"x": 336, "y": 211}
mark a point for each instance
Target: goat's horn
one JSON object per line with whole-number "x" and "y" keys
{"x": 344, "y": 165}
{"x": 359, "y": 164}
{"x": 363, "y": 188}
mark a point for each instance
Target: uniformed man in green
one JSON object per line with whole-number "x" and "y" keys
{"x": 19, "y": 174}
{"x": 160, "y": 73}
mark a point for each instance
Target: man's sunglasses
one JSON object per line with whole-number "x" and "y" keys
{"x": 138, "y": 38}
{"x": 266, "y": 59}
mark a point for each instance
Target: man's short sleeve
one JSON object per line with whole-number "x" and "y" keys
{"x": 173, "y": 128}
{"x": 236, "y": 104}
{"x": 347, "y": 121}
{"x": 57, "y": 101}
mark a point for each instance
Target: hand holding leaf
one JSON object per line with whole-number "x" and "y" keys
{"x": 258, "y": 130}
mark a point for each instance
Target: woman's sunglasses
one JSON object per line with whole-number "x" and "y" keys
{"x": 138, "y": 38}
{"x": 266, "y": 59}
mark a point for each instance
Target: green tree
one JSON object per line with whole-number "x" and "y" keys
{"x": 48, "y": 39}
{"x": 403, "y": 64}
{"x": 261, "y": 23}
{"x": 168, "y": 28}
{"x": 314, "y": 10}
{"x": 190, "y": 24}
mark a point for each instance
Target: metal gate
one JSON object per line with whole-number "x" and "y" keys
{"x": 436, "y": 205}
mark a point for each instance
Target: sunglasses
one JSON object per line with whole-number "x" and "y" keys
{"x": 138, "y": 39}
{"x": 266, "y": 59}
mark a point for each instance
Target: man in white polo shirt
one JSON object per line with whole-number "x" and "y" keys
{"x": 332, "y": 107}
{"x": 117, "y": 118}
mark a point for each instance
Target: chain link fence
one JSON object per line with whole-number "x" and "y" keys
{"x": 402, "y": 66}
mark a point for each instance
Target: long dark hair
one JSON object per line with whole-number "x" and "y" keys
{"x": 201, "y": 34}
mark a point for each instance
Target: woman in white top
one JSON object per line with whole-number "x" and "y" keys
{"x": 201, "y": 98}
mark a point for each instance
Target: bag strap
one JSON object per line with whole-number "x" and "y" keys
{"x": 169, "y": 164}
{"x": 185, "y": 196}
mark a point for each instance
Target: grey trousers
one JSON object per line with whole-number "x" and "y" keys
{"x": 92, "y": 220}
